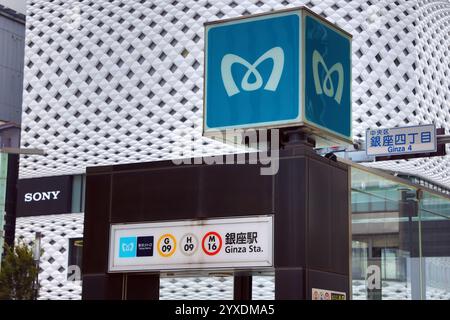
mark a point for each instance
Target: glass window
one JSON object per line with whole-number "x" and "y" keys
{"x": 75, "y": 259}
{"x": 435, "y": 250}
{"x": 401, "y": 240}
{"x": 384, "y": 237}
{"x": 78, "y": 193}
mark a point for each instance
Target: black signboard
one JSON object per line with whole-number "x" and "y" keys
{"x": 42, "y": 196}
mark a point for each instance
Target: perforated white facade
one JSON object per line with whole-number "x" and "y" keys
{"x": 56, "y": 231}
{"x": 120, "y": 81}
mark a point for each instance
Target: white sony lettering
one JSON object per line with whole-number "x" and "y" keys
{"x": 42, "y": 196}
{"x": 37, "y": 196}
{"x": 28, "y": 197}
{"x": 55, "y": 194}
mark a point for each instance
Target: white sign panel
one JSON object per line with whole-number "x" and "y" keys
{"x": 400, "y": 141}
{"x": 192, "y": 244}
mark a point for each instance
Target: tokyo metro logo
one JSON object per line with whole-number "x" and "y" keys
{"x": 127, "y": 247}
{"x": 326, "y": 86}
{"x": 252, "y": 72}
{"x": 276, "y": 54}
{"x": 328, "y": 78}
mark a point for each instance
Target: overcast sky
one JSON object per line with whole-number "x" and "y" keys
{"x": 18, "y": 5}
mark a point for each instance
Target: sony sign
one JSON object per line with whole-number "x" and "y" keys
{"x": 42, "y": 196}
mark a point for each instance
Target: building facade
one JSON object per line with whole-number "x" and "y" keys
{"x": 114, "y": 82}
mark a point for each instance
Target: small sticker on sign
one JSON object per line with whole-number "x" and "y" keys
{"x": 321, "y": 294}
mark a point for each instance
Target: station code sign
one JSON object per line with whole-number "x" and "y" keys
{"x": 399, "y": 141}
{"x": 228, "y": 243}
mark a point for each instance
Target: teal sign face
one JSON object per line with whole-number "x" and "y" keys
{"x": 252, "y": 71}
{"x": 290, "y": 68}
{"x": 327, "y": 77}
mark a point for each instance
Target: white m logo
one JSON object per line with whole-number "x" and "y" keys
{"x": 327, "y": 86}
{"x": 127, "y": 247}
{"x": 277, "y": 56}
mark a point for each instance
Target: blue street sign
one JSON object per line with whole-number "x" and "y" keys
{"x": 252, "y": 71}
{"x": 401, "y": 141}
{"x": 290, "y": 68}
{"x": 327, "y": 77}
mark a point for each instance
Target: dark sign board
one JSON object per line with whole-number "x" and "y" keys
{"x": 42, "y": 196}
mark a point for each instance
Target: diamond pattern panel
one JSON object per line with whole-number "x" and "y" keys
{"x": 56, "y": 230}
{"x": 432, "y": 92}
{"x": 263, "y": 287}
{"x": 196, "y": 288}
{"x": 121, "y": 81}
{"x": 395, "y": 290}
